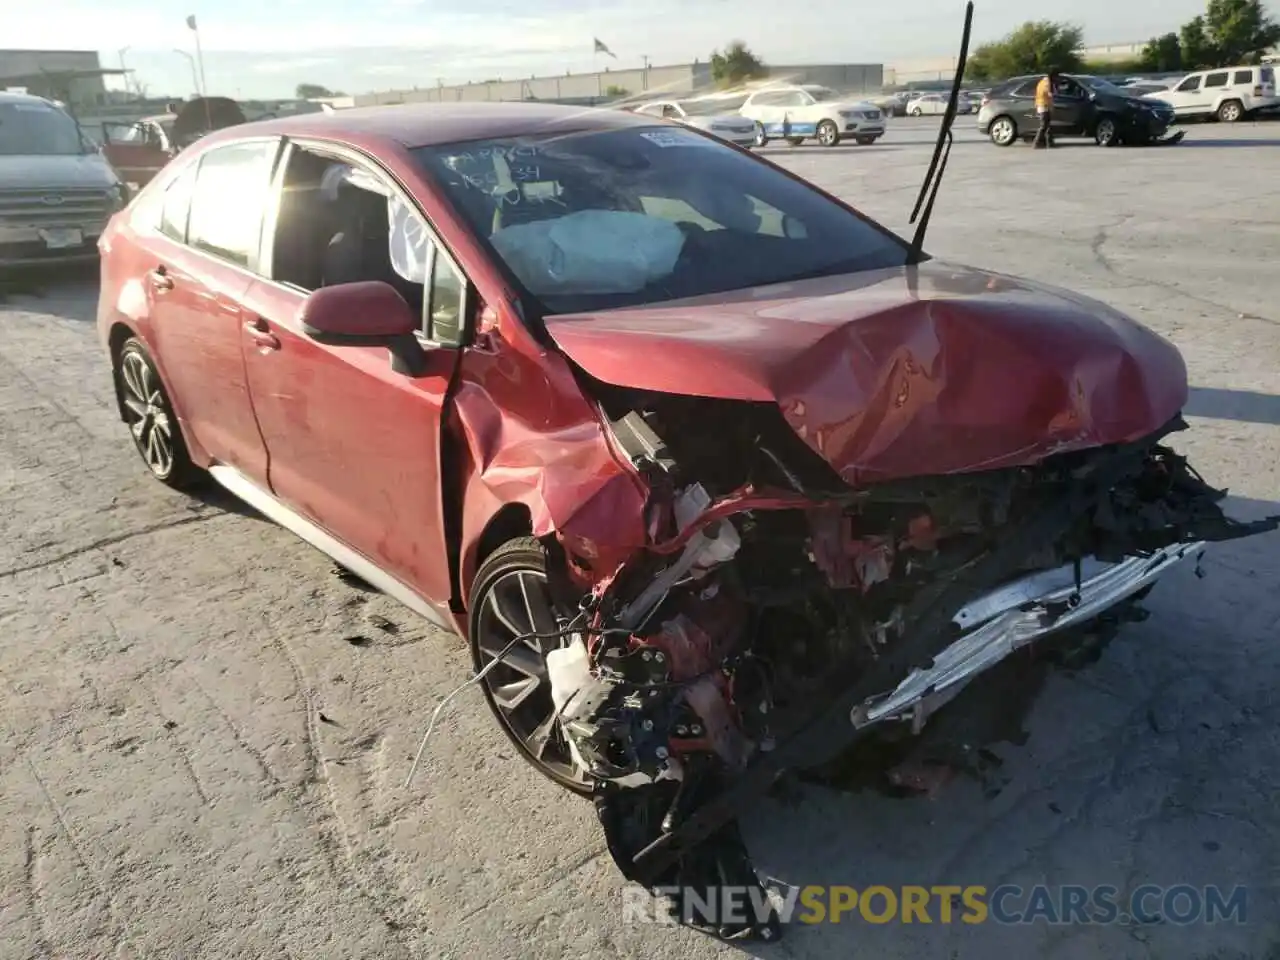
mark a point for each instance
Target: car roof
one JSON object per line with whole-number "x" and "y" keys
{"x": 430, "y": 124}
{"x": 12, "y": 96}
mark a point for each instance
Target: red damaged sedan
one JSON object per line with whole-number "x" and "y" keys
{"x": 715, "y": 475}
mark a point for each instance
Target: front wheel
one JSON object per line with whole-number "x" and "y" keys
{"x": 1106, "y": 133}
{"x": 149, "y": 415}
{"x": 510, "y": 601}
{"x": 916, "y": 112}
{"x": 828, "y": 135}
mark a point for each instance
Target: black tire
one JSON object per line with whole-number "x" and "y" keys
{"x": 828, "y": 134}
{"x": 522, "y": 562}
{"x": 1107, "y": 132}
{"x": 761, "y": 139}
{"x": 1003, "y": 131}
{"x": 917, "y": 112}
{"x": 1230, "y": 111}
{"x": 795, "y": 141}
{"x": 146, "y": 408}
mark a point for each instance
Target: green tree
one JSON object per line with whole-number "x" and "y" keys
{"x": 309, "y": 91}
{"x": 1162, "y": 55}
{"x": 1035, "y": 47}
{"x": 1239, "y": 31}
{"x": 735, "y": 65}
{"x": 613, "y": 90}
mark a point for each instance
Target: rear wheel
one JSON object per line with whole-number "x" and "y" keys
{"x": 150, "y": 418}
{"x": 761, "y": 139}
{"x": 511, "y": 598}
{"x": 1003, "y": 131}
{"x": 916, "y": 111}
{"x": 1231, "y": 111}
{"x": 828, "y": 134}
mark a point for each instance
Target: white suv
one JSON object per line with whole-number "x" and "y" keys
{"x": 1229, "y": 94}
{"x": 797, "y": 113}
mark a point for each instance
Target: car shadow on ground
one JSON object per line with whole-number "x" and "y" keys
{"x": 36, "y": 286}
{"x": 1231, "y": 143}
{"x": 1243, "y": 406}
{"x": 1157, "y": 764}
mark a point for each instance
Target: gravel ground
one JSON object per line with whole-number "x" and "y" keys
{"x": 197, "y": 762}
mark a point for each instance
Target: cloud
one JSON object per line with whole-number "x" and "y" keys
{"x": 288, "y": 66}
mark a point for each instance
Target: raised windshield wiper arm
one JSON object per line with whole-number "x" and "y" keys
{"x": 941, "y": 152}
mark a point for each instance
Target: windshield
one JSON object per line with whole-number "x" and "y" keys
{"x": 594, "y": 221}
{"x": 33, "y": 128}
{"x": 821, "y": 94}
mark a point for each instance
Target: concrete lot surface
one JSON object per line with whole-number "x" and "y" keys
{"x": 195, "y": 761}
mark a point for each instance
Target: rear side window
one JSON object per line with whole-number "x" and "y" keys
{"x": 1243, "y": 76}
{"x": 176, "y": 204}
{"x": 231, "y": 190}
{"x": 1216, "y": 80}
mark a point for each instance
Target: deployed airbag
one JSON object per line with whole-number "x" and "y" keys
{"x": 590, "y": 252}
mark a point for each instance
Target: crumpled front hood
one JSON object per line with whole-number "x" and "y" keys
{"x": 56, "y": 172}
{"x": 903, "y": 372}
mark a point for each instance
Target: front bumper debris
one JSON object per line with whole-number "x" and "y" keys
{"x": 1013, "y": 616}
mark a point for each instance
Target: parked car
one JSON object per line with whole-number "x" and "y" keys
{"x": 688, "y": 451}
{"x": 892, "y": 104}
{"x": 798, "y": 113}
{"x": 1083, "y": 106}
{"x": 139, "y": 150}
{"x": 727, "y": 126}
{"x": 936, "y": 103}
{"x": 57, "y": 191}
{"x": 1228, "y": 95}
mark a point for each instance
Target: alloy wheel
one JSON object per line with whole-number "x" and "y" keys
{"x": 828, "y": 135}
{"x": 1002, "y": 132}
{"x": 1106, "y": 132}
{"x": 518, "y": 603}
{"x": 146, "y": 413}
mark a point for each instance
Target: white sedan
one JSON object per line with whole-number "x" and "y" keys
{"x": 726, "y": 126}
{"x": 936, "y": 103}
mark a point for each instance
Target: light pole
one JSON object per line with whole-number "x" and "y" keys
{"x": 195, "y": 79}
{"x": 191, "y": 25}
{"x": 124, "y": 71}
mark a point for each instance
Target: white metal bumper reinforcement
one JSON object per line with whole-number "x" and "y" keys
{"x": 1015, "y": 615}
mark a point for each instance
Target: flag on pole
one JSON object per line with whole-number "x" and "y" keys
{"x": 601, "y": 48}
{"x": 191, "y": 22}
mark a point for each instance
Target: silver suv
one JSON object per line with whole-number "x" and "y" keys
{"x": 57, "y": 190}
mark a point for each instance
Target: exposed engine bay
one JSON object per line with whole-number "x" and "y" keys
{"x": 781, "y": 614}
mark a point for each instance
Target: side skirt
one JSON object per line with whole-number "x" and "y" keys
{"x": 262, "y": 501}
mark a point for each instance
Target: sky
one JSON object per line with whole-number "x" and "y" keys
{"x": 264, "y": 48}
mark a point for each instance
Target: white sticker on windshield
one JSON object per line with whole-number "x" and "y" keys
{"x": 663, "y": 138}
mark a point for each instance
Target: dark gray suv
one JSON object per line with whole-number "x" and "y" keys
{"x": 1083, "y": 106}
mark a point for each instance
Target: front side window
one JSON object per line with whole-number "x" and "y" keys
{"x": 1188, "y": 85}
{"x": 231, "y": 192}
{"x": 341, "y": 223}
{"x": 38, "y": 129}
{"x": 821, "y": 94}
{"x": 176, "y": 204}
{"x": 597, "y": 220}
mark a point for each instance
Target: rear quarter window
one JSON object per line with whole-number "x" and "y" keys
{"x": 1216, "y": 80}
{"x": 1243, "y": 76}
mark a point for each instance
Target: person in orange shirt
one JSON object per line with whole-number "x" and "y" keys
{"x": 1044, "y": 107}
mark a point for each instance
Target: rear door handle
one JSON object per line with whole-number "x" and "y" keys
{"x": 261, "y": 334}
{"x": 160, "y": 278}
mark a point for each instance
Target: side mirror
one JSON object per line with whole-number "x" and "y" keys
{"x": 365, "y": 313}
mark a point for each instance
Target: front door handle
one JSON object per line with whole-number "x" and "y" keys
{"x": 261, "y": 334}
{"x": 160, "y": 278}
